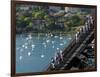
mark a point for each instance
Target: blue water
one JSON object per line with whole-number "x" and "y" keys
{"x": 34, "y": 53}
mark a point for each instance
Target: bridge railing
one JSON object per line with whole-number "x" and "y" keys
{"x": 81, "y": 37}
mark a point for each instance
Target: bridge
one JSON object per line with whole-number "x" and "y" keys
{"x": 76, "y": 54}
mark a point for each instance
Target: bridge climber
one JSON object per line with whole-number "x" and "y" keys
{"x": 61, "y": 57}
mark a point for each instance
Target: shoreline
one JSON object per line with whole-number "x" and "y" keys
{"x": 47, "y": 34}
